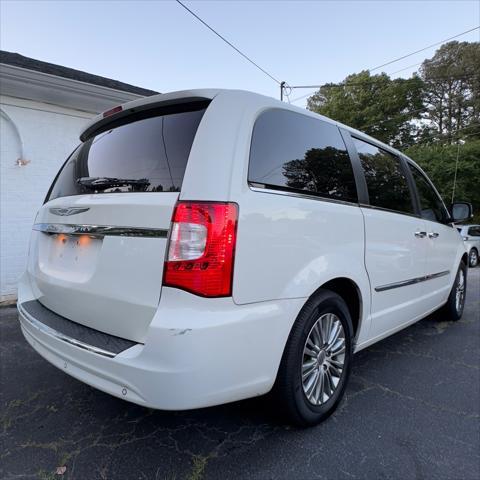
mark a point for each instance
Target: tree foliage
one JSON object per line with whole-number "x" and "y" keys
{"x": 376, "y": 104}
{"x": 437, "y": 111}
{"x": 439, "y": 163}
{"x": 440, "y": 104}
{"x": 451, "y": 85}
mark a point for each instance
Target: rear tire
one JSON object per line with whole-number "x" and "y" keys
{"x": 315, "y": 366}
{"x": 473, "y": 258}
{"x": 453, "y": 309}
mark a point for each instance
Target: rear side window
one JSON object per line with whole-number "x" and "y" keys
{"x": 148, "y": 155}
{"x": 386, "y": 182}
{"x": 294, "y": 152}
{"x": 431, "y": 205}
{"x": 474, "y": 231}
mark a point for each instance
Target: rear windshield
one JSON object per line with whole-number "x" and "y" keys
{"x": 147, "y": 155}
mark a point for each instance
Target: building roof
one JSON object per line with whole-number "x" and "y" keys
{"x": 17, "y": 60}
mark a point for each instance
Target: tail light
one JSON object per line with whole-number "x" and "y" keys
{"x": 202, "y": 248}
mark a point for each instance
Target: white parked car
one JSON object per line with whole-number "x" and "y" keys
{"x": 471, "y": 237}
{"x": 207, "y": 246}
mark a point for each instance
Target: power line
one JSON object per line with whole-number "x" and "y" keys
{"x": 227, "y": 42}
{"x": 455, "y": 135}
{"x": 374, "y": 81}
{"x": 456, "y": 171}
{"x": 378, "y": 80}
{"x": 405, "y": 114}
{"x": 423, "y": 49}
{"x": 411, "y": 112}
{"x": 302, "y": 97}
{"x": 405, "y": 68}
{"x": 385, "y": 64}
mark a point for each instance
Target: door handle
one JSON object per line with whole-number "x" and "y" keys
{"x": 420, "y": 234}
{"x": 433, "y": 235}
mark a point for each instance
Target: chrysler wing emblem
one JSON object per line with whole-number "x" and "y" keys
{"x": 64, "y": 212}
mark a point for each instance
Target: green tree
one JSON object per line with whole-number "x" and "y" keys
{"x": 452, "y": 91}
{"x": 375, "y": 104}
{"x": 439, "y": 163}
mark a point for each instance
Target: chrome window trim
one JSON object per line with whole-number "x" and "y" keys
{"x": 374, "y": 207}
{"x": 289, "y": 193}
{"x": 60, "y": 336}
{"x": 99, "y": 230}
{"x": 412, "y": 281}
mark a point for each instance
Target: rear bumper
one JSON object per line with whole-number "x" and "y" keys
{"x": 198, "y": 352}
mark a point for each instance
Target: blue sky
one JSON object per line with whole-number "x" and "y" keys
{"x": 158, "y": 45}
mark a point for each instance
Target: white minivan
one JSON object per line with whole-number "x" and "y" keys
{"x": 206, "y": 246}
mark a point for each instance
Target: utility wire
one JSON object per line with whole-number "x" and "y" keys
{"x": 455, "y": 135}
{"x": 385, "y": 64}
{"x": 227, "y": 42}
{"x": 366, "y": 83}
{"x": 456, "y": 170}
{"x": 411, "y": 112}
{"x": 423, "y": 49}
{"x": 378, "y": 80}
{"x": 405, "y": 68}
{"x": 302, "y": 97}
{"x": 405, "y": 114}
{"x": 373, "y": 81}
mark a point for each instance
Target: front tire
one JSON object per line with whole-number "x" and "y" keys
{"x": 315, "y": 366}
{"x": 473, "y": 258}
{"x": 453, "y": 309}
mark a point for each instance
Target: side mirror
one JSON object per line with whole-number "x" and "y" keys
{"x": 461, "y": 211}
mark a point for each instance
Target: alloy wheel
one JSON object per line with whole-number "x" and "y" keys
{"x": 473, "y": 258}
{"x": 323, "y": 359}
{"x": 460, "y": 291}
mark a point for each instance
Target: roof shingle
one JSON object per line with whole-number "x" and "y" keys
{"x": 28, "y": 63}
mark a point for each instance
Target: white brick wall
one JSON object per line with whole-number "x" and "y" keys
{"x": 44, "y": 135}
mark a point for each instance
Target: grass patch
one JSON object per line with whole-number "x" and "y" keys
{"x": 198, "y": 468}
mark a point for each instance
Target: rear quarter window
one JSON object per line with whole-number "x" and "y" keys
{"x": 151, "y": 152}
{"x": 294, "y": 152}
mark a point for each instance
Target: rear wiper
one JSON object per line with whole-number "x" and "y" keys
{"x": 102, "y": 183}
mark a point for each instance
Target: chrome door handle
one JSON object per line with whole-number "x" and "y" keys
{"x": 433, "y": 235}
{"x": 420, "y": 234}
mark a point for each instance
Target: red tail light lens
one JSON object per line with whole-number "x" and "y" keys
{"x": 202, "y": 248}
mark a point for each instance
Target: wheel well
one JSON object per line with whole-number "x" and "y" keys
{"x": 465, "y": 259}
{"x": 350, "y": 293}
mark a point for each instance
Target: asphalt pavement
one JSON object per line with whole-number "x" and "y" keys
{"x": 411, "y": 411}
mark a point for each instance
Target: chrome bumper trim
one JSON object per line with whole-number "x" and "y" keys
{"x": 99, "y": 230}
{"x": 60, "y": 336}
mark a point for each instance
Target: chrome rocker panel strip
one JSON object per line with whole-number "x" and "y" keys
{"x": 60, "y": 336}
{"x": 412, "y": 281}
{"x": 100, "y": 230}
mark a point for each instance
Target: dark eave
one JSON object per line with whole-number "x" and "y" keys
{"x": 17, "y": 60}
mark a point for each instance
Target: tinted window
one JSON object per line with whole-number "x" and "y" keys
{"x": 295, "y": 152}
{"x": 474, "y": 231}
{"x": 431, "y": 205}
{"x": 153, "y": 152}
{"x": 386, "y": 182}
